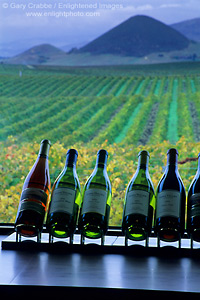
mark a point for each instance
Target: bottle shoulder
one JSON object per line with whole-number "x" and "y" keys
{"x": 194, "y": 187}
{"x": 98, "y": 179}
{"x": 171, "y": 181}
{"x": 40, "y": 166}
{"x": 38, "y": 175}
{"x": 67, "y": 178}
{"x": 141, "y": 180}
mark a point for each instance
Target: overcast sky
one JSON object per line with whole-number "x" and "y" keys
{"x": 64, "y": 23}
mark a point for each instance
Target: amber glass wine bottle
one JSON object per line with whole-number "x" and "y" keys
{"x": 171, "y": 201}
{"x": 95, "y": 208}
{"x": 139, "y": 202}
{"x": 35, "y": 195}
{"x": 65, "y": 200}
{"x": 193, "y": 206}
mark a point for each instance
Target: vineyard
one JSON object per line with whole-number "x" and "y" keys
{"x": 88, "y": 108}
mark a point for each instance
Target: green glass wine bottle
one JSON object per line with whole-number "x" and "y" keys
{"x": 35, "y": 196}
{"x": 97, "y": 194}
{"x": 65, "y": 200}
{"x": 139, "y": 202}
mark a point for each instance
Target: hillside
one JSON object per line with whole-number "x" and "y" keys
{"x": 138, "y": 40}
{"x": 137, "y": 36}
{"x": 38, "y": 55}
{"x": 189, "y": 28}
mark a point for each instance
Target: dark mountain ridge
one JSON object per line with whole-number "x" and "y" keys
{"x": 189, "y": 28}
{"x": 138, "y": 36}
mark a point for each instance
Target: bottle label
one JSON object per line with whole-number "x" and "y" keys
{"x": 33, "y": 199}
{"x": 95, "y": 201}
{"x": 137, "y": 202}
{"x": 168, "y": 204}
{"x": 63, "y": 200}
{"x": 194, "y": 204}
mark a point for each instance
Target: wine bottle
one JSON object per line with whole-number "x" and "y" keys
{"x": 193, "y": 206}
{"x": 95, "y": 208}
{"x": 139, "y": 202}
{"x": 65, "y": 200}
{"x": 35, "y": 196}
{"x": 171, "y": 200}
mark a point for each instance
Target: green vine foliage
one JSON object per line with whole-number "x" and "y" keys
{"x": 16, "y": 161}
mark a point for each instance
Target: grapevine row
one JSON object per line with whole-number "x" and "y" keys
{"x": 69, "y": 110}
{"x": 33, "y": 116}
{"x": 112, "y": 130}
{"x": 91, "y": 128}
{"x": 139, "y": 123}
{"x": 168, "y": 110}
{"x": 75, "y": 120}
{"x": 65, "y": 85}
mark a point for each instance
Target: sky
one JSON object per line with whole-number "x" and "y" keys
{"x": 74, "y": 23}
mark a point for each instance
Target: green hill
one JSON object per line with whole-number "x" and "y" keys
{"x": 40, "y": 54}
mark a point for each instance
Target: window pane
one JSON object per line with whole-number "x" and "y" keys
{"x": 66, "y": 76}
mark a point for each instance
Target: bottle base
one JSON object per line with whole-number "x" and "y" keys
{"x": 92, "y": 231}
{"x": 169, "y": 234}
{"x": 59, "y": 231}
{"x": 29, "y": 223}
{"x": 136, "y": 233}
{"x": 27, "y": 230}
{"x": 60, "y": 224}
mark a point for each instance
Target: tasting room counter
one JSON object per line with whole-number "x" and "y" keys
{"x": 106, "y": 275}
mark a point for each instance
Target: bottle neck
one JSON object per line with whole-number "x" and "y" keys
{"x": 44, "y": 149}
{"x": 71, "y": 159}
{"x": 172, "y": 159}
{"x": 101, "y": 161}
{"x": 143, "y": 162}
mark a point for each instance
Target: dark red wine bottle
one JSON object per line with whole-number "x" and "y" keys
{"x": 193, "y": 206}
{"x": 170, "y": 202}
{"x": 35, "y": 196}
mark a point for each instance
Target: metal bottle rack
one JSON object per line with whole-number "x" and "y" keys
{"x": 77, "y": 243}
{"x": 19, "y": 237}
{"x": 126, "y": 239}
{"x": 71, "y": 239}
